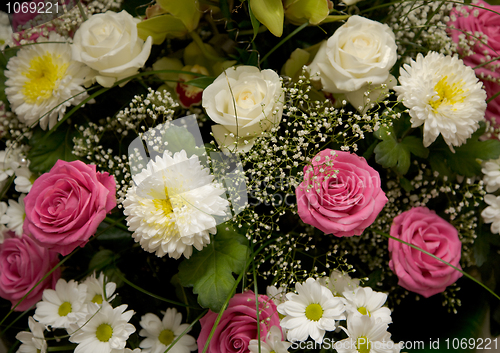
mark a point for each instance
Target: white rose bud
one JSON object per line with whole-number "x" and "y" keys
{"x": 108, "y": 43}
{"x": 245, "y": 102}
{"x": 360, "y": 52}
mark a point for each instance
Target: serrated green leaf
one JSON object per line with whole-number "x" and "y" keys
{"x": 438, "y": 164}
{"x": 209, "y": 271}
{"x": 405, "y": 184}
{"x": 465, "y": 159}
{"x": 179, "y": 138}
{"x": 44, "y": 154}
{"x": 415, "y": 146}
{"x": 389, "y": 153}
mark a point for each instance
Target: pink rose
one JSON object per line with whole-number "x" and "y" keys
{"x": 340, "y": 194}
{"x": 238, "y": 325}
{"x": 478, "y": 20}
{"x": 417, "y": 271}
{"x": 66, "y": 205}
{"x": 22, "y": 264}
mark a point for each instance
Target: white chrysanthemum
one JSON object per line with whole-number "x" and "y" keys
{"x": 365, "y": 301}
{"x": 172, "y": 207}
{"x": 273, "y": 343}
{"x": 42, "y": 79}
{"x": 311, "y": 312}
{"x": 14, "y": 216}
{"x": 339, "y": 282}
{"x": 161, "y": 333}
{"x": 491, "y": 171}
{"x": 491, "y": 214}
{"x": 105, "y": 329}
{"x": 24, "y": 180}
{"x": 444, "y": 95}
{"x": 366, "y": 335}
{"x": 63, "y": 306}
{"x": 97, "y": 291}
{"x": 34, "y": 341}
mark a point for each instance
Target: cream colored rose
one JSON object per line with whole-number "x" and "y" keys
{"x": 244, "y": 101}
{"x": 360, "y": 52}
{"x": 108, "y": 43}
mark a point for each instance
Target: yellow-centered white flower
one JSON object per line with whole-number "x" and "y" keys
{"x": 33, "y": 341}
{"x": 311, "y": 312}
{"x": 444, "y": 95}
{"x": 43, "y": 81}
{"x": 172, "y": 208}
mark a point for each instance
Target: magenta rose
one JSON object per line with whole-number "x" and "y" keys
{"x": 66, "y": 205}
{"x": 238, "y": 325}
{"x": 474, "y": 20}
{"x": 340, "y": 194}
{"x": 22, "y": 264}
{"x": 419, "y": 272}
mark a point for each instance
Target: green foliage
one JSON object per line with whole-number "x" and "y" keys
{"x": 5, "y": 56}
{"x": 201, "y": 82}
{"x": 209, "y": 271}
{"x": 466, "y": 158}
{"x": 392, "y": 152}
{"x": 44, "y": 153}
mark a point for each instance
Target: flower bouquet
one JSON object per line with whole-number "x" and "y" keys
{"x": 260, "y": 176}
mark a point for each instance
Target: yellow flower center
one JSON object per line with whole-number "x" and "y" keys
{"x": 314, "y": 312}
{"x": 363, "y": 344}
{"x": 97, "y": 299}
{"x": 64, "y": 309}
{"x": 164, "y": 204}
{"x": 104, "y": 332}
{"x": 364, "y": 311}
{"x": 449, "y": 94}
{"x": 166, "y": 337}
{"x": 43, "y": 77}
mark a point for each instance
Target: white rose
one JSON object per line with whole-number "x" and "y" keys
{"x": 258, "y": 99}
{"x": 361, "y": 51}
{"x": 108, "y": 43}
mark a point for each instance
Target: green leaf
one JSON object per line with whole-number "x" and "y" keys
{"x": 179, "y": 138}
{"x": 465, "y": 159}
{"x": 200, "y": 82}
{"x": 101, "y": 260}
{"x": 44, "y": 154}
{"x": 209, "y": 271}
{"x": 255, "y": 23}
{"x": 107, "y": 233}
{"x": 389, "y": 153}
{"x": 415, "y": 146}
{"x": 481, "y": 250}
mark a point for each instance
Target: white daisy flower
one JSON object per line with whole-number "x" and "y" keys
{"x": 339, "y": 282}
{"x": 160, "y": 334}
{"x": 63, "y": 306}
{"x": 105, "y": 329}
{"x": 34, "y": 341}
{"x": 311, "y": 312}
{"x": 273, "y": 343}
{"x": 366, "y": 335}
{"x": 172, "y": 207}
{"x": 99, "y": 289}
{"x": 365, "y": 301}
{"x": 444, "y": 95}
{"x": 24, "y": 180}
{"x": 14, "y": 217}
{"x": 491, "y": 214}
{"x": 42, "y": 79}
{"x": 491, "y": 171}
